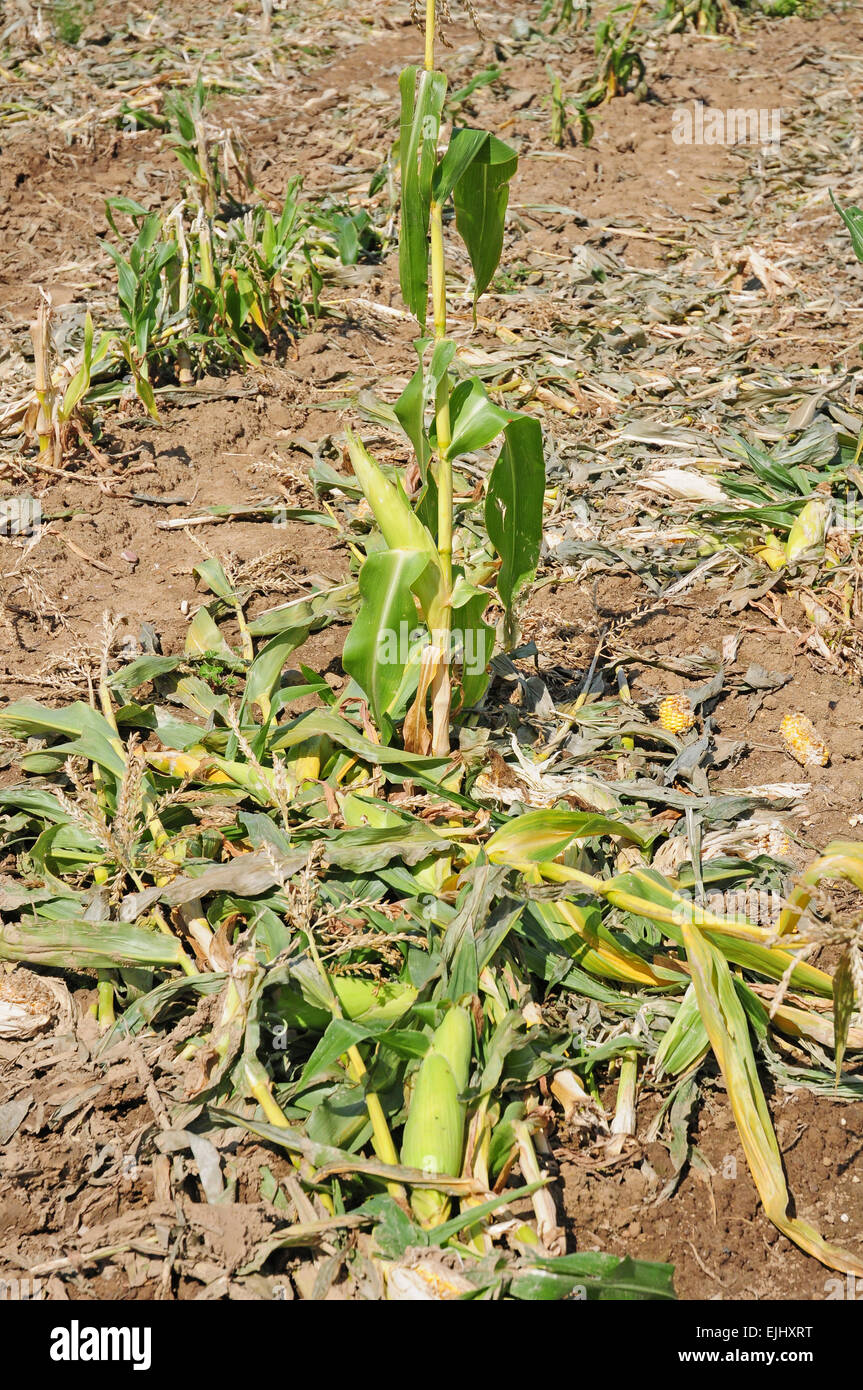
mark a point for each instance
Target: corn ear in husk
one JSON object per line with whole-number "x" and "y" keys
{"x": 433, "y": 1137}
{"x": 809, "y": 529}
{"x": 400, "y": 528}
{"x": 453, "y": 1039}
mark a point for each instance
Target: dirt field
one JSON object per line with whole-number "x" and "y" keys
{"x": 646, "y": 286}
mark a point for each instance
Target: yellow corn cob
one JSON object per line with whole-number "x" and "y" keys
{"x": 307, "y": 758}
{"x": 676, "y": 714}
{"x": 176, "y": 764}
{"x": 802, "y": 741}
{"x": 428, "y": 1279}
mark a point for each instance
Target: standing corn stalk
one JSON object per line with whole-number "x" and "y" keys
{"x": 444, "y": 418}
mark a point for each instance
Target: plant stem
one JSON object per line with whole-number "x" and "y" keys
{"x": 624, "y": 1114}
{"x": 382, "y": 1140}
{"x": 105, "y": 996}
{"x": 632, "y": 18}
{"x": 430, "y": 34}
{"x": 441, "y": 685}
{"x": 260, "y": 1086}
{"x": 441, "y": 689}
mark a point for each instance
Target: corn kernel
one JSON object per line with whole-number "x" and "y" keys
{"x": 772, "y": 840}
{"x": 676, "y": 714}
{"x": 802, "y": 741}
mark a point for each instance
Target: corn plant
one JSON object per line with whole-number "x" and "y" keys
{"x": 567, "y": 13}
{"x": 209, "y": 163}
{"x": 202, "y": 291}
{"x": 620, "y": 65}
{"x": 418, "y": 572}
{"x": 560, "y": 107}
{"x": 706, "y": 16}
{"x": 58, "y": 417}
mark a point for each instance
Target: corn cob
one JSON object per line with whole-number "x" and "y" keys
{"x": 772, "y": 840}
{"x": 433, "y": 1135}
{"x": 427, "y": 1280}
{"x": 802, "y": 741}
{"x": 676, "y": 714}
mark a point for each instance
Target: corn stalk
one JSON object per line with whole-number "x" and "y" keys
{"x": 443, "y": 418}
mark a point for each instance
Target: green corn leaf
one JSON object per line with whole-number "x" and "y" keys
{"x": 43, "y": 805}
{"x": 325, "y": 606}
{"x": 80, "y": 382}
{"x": 725, "y": 1021}
{"x": 645, "y": 893}
{"x": 476, "y": 420}
{"x": 602, "y": 1277}
{"x": 538, "y": 836}
{"x": 481, "y": 196}
{"x": 143, "y": 669}
{"x": 265, "y": 671}
{"x": 340, "y": 1035}
{"x": 90, "y": 733}
{"x": 203, "y": 638}
{"x": 853, "y": 219}
{"x": 341, "y": 1119}
{"x": 513, "y": 510}
{"x": 843, "y": 1008}
{"x": 579, "y": 932}
{"x": 377, "y": 648}
{"x": 465, "y": 146}
{"x": 66, "y": 849}
{"x": 422, "y": 97}
{"x": 411, "y": 406}
{"x": 772, "y": 963}
{"x": 685, "y": 1040}
{"x": 410, "y": 413}
{"x": 366, "y": 850}
{"x": 476, "y": 639}
{"x": 344, "y": 735}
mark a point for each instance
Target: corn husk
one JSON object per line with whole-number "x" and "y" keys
{"x": 453, "y": 1039}
{"x": 809, "y": 529}
{"x": 433, "y": 1137}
